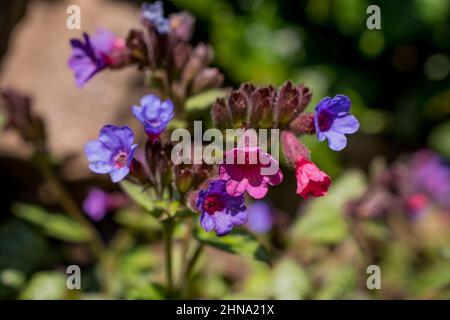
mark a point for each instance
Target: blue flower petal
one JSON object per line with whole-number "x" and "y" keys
{"x": 207, "y": 222}
{"x": 119, "y": 174}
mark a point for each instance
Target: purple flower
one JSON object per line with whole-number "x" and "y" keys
{"x": 260, "y": 218}
{"x": 112, "y": 153}
{"x": 431, "y": 175}
{"x": 219, "y": 210}
{"x": 333, "y": 121}
{"x": 154, "y": 114}
{"x": 94, "y": 54}
{"x": 153, "y": 13}
{"x": 98, "y": 202}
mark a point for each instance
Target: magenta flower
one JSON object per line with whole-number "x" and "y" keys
{"x": 249, "y": 170}
{"x": 96, "y": 53}
{"x": 220, "y": 211}
{"x": 112, "y": 153}
{"x": 333, "y": 121}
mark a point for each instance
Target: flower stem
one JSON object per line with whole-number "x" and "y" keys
{"x": 168, "y": 227}
{"x": 190, "y": 266}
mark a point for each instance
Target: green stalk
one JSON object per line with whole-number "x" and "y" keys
{"x": 168, "y": 227}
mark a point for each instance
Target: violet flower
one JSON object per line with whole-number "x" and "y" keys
{"x": 96, "y": 53}
{"x": 154, "y": 114}
{"x": 112, "y": 153}
{"x": 333, "y": 121}
{"x": 220, "y": 211}
{"x": 431, "y": 175}
{"x": 98, "y": 203}
{"x": 260, "y": 217}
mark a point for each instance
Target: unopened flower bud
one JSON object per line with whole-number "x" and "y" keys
{"x": 290, "y": 102}
{"x": 238, "y": 104}
{"x": 137, "y": 48}
{"x": 305, "y": 97}
{"x": 292, "y": 148}
{"x": 207, "y": 78}
{"x": 200, "y": 57}
{"x": 303, "y": 124}
{"x": 220, "y": 115}
{"x": 261, "y": 113}
{"x": 182, "y": 25}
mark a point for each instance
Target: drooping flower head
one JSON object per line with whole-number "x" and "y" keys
{"x": 260, "y": 217}
{"x": 98, "y": 202}
{"x": 219, "y": 210}
{"x": 154, "y": 114}
{"x": 333, "y": 121}
{"x": 153, "y": 13}
{"x": 112, "y": 153}
{"x": 310, "y": 180}
{"x": 249, "y": 169}
{"x": 101, "y": 50}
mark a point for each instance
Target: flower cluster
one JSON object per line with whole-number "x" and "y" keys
{"x": 176, "y": 70}
{"x": 265, "y": 107}
{"x": 414, "y": 187}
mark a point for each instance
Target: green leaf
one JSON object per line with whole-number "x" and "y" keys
{"x": 203, "y": 100}
{"x": 45, "y": 285}
{"x": 432, "y": 280}
{"x": 145, "y": 292}
{"x": 137, "y": 220}
{"x": 237, "y": 242}
{"x": 54, "y": 225}
{"x": 22, "y": 247}
{"x": 323, "y": 220}
{"x": 290, "y": 281}
{"x": 338, "y": 281}
{"x": 141, "y": 196}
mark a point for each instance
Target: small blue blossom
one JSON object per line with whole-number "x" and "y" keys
{"x": 333, "y": 121}
{"x": 112, "y": 153}
{"x": 220, "y": 211}
{"x": 260, "y": 218}
{"x": 154, "y": 114}
{"x": 153, "y": 13}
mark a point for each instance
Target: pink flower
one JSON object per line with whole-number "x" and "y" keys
{"x": 310, "y": 180}
{"x": 251, "y": 170}
{"x": 417, "y": 203}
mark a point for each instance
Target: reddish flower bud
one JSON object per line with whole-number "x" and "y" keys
{"x": 137, "y": 48}
{"x": 310, "y": 180}
{"x": 261, "y": 113}
{"x": 305, "y": 97}
{"x": 303, "y": 124}
{"x": 290, "y": 102}
{"x": 200, "y": 57}
{"x": 182, "y": 25}
{"x": 292, "y": 148}
{"x": 221, "y": 115}
{"x": 206, "y": 79}
{"x": 238, "y": 103}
